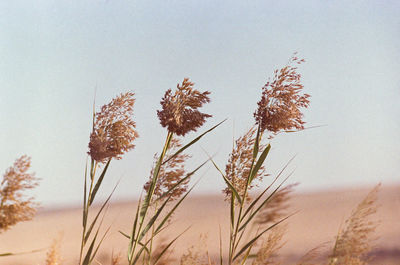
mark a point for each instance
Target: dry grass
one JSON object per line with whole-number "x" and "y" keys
{"x": 53, "y": 254}
{"x": 15, "y": 207}
{"x": 256, "y": 231}
{"x": 353, "y": 242}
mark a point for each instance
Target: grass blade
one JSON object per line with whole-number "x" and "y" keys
{"x": 193, "y": 141}
{"x": 153, "y": 219}
{"x": 220, "y": 245}
{"x": 182, "y": 180}
{"x": 259, "y": 197}
{"x": 262, "y": 204}
{"x": 98, "y": 245}
{"x": 172, "y": 211}
{"x": 166, "y": 248}
{"x": 252, "y": 241}
{"x": 20, "y": 253}
{"x": 154, "y": 179}
{"x": 133, "y": 234}
{"x": 97, "y": 215}
{"x": 86, "y": 261}
{"x": 231, "y": 187}
{"x": 259, "y": 163}
{"x": 98, "y": 183}
{"x": 84, "y": 215}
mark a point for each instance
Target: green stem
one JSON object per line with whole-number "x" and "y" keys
{"x": 234, "y": 243}
{"x": 93, "y": 167}
{"x": 150, "y": 196}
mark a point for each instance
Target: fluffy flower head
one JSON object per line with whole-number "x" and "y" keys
{"x": 180, "y": 109}
{"x": 280, "y": 106}
{"x": 171, "y": 173}
{"x": 14, "y": 206}
{"x": 113, "y": 129}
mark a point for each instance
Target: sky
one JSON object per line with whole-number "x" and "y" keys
{"x": 56, "y": 57}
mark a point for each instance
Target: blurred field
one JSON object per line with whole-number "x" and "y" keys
{"x": 318, "y": 220}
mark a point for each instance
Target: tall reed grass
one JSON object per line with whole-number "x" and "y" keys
{"x": 256, "y": 221}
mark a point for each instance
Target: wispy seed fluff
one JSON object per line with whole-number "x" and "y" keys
{"x": 113, "y": 129}
{"x": 238, "y": 168}
{"x": 14, "y": 206}
{"x": 281, "y": 101}
{"x": 171, "y": 173}
{"x": 180, "y": 110}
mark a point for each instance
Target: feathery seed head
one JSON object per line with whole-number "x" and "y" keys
{"x": 281, "y": 101}
{"x": 179, "y": 110}
{"x": 14, "y": 207}
{"x": 53, "y": 254}
{"x": 171, "y": 173}
{"x": 113, "y": 129}
{"x": 238, "y": 167}
{"x": 354, "y": 241}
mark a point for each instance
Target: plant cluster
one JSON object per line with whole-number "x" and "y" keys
{"x": 255, "y": 221}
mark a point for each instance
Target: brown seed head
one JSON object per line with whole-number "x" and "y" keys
{"x": 14, "y": 207}
{"x": 53, "y": 254}
{"x": 281, "y": 101}
{"x": 179, "y": 110}
{"x": 237, "y": 169}
{"x": 267, "y": 253}
{"x": 354, "y": 241}
{"x": 113, "y": 129}
{"x": 171, "y": 173}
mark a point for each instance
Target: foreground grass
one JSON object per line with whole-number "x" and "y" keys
{"x": 256, "y": 222}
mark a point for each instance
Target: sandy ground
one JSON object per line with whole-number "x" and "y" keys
{"x": 318, "y": 220}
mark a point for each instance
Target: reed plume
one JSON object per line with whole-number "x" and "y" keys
{"x": 53, "y": 256}
{"x": 180, "y": 110}
{"x": 171, "y": 173}
{"x": 180, "y": 115}
{"x": 113, "y": 129}
{"x": 15, "y": 207}
{"x": 279, "y": 108}
{"x": 267, "y": 254}
{"x": 239, "y": 165}
{"x": 354, "y": 241}
{"x": 112, "y": 136}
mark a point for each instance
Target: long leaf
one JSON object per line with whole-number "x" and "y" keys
{"x": 252, "y": 241}
{"x": 181, "y": 181}
{"x": 98, "y": 183}
{"x": 140, "y": 251}
{"x": 84, "y": 215}
{"x": 259, "y": 163}
{"x": 256, "y": 144}
{"x": 259, "y": 197}
{"x": 192, "y": 142}
{"x": 154, "y": 179}
{"x": 89, "y": 231}
{"x": 172, "y": 211}
{"x": 133, "y": 234}
{"x": 100, "y": 242}
{"x": 153, "y": 219}
{"x": 262, "y": 204}
{"x": 231, "y": 187}
{"x": 86, "y": 261}
{"x": 220, "y": 245}
{"x": 166, "y": 248}
{"x": 140, "y": 243}
{"x": 20, "y": 253}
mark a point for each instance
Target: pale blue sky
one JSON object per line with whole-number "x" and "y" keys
{"x": 53, "y": 54}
